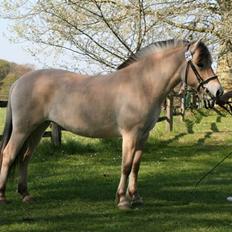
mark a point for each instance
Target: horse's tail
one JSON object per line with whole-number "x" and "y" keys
{"x": 7, "y": 131}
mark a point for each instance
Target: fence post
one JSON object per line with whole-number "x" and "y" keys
{"x": 56, "y": 134}
{"x": 182, "y": 108}
{"x": 194, "y": 97}
{"x": 169, "y": 113}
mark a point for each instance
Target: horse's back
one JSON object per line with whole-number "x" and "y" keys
{"x": 82, "y": 104}
{"x": 34, "y": 91}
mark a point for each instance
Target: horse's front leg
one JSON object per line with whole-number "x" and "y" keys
{"x": 128, "y": 151}
{"x": 132, "y": 191}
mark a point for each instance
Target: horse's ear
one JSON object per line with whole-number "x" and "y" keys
{"x": 195, "y": 45}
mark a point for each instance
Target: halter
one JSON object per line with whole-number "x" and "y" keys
{"x": 188, "y": 58}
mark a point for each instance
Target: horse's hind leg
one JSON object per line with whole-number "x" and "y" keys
{"x": 9, "y": 154}
{"x": 25, "y": 156}
{"x": 22, "y": 182}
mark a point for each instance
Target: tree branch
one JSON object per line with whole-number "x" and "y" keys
{"x": 111, "y": 29}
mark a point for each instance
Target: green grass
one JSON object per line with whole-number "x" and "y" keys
{"x": 74, "y": 185}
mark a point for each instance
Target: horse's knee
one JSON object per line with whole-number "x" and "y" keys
{"x": 136, "y": 167}
{"x": 126, "y": 169}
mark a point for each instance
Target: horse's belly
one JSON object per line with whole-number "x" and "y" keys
{"x": 105, "y": 132}
{"x": 90, "y": 126}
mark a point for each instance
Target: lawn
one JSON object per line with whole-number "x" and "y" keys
{"x": 74, "y": 185}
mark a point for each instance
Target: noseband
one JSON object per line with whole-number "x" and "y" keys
{"x": 201, "y": 81}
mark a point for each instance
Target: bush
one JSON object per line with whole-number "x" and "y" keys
{"x": 4, "y": 68}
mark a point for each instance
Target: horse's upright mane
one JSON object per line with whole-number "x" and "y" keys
{"x": 154, "y": 47}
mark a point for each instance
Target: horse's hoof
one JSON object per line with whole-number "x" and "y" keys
{"x": 137, "y": 202}
{"x": 27, "y": 199}
{"x": 124, "y": 205}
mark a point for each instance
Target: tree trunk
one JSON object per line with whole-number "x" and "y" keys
{"x": 224, "y": 70}
{"x": 225, "y": 54}
{"x": 169, "y": 113}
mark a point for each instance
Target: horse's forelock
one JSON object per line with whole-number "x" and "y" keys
{"x": 204, "y": 55}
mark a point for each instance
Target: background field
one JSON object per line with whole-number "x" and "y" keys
{"x": 74, "y": 185}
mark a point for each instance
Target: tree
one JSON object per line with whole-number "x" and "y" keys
{"x": 4, "y": 68}
{"x": 9, "y": 73}
{"x": 106, "y": 32}
{"x": 211, "y": 19}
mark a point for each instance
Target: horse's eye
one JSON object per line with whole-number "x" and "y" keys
{"x": 200, "y": 65}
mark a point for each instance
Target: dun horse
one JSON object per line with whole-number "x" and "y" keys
{"x": 124, "y": 103}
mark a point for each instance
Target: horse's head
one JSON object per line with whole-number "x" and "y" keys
{"x": 199, "y": 73}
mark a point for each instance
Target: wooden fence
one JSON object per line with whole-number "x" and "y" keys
{"x": 171, "y": 109}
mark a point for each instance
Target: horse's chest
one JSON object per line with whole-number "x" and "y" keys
{"x": 150, "y": 119}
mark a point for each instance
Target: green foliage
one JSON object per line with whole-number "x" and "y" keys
{"x": 5, "y": 85}
{"x": 106, "y": 32}
{"x": 9, "y": 73}
{"x": 4, "y": 68}
{"x": 74, "y": 185}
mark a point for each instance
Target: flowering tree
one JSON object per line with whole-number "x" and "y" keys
{"x": 105, "y": 32}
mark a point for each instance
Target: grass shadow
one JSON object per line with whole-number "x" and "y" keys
{"x": 75, "y": 185}
{"x": 214, "y": 127}
{"x": 189, "y": 125}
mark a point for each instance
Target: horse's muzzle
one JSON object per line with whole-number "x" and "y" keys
{"x": 219, "y": 92}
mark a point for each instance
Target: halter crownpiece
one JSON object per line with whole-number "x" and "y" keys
{"x": 188, "y": 56}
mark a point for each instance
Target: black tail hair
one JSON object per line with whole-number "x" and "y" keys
{"x": 6, "y": 132}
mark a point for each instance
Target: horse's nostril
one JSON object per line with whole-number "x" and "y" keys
{"x": 219, "y": 92}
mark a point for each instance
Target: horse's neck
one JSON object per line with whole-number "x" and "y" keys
{"x": 165, "y": 72}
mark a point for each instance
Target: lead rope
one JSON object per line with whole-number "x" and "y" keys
{"x": 225, "y": 157}
{"x": 212, "y": 169}
{"x": 223, "y": 107}
{"x": 208, "y": 104}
